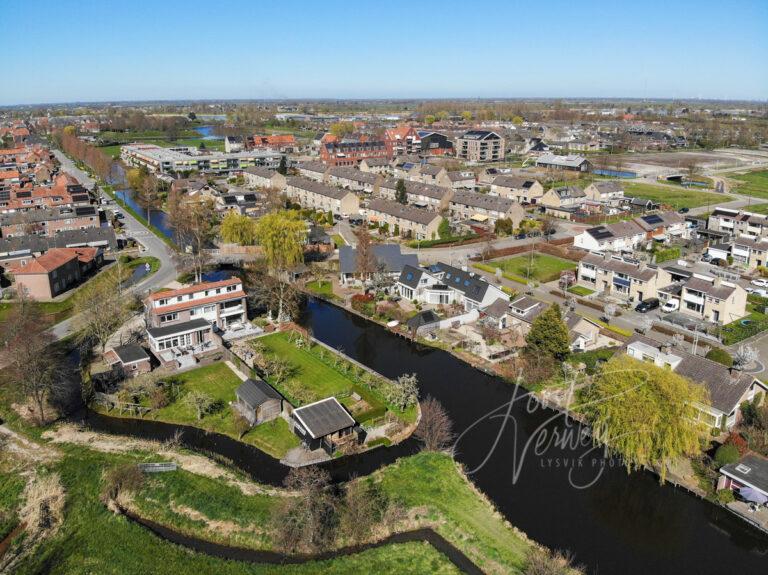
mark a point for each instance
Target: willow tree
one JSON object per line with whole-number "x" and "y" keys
{"x": 281, "y": 236}
{"x": 643, "y": 413}
{"x": 238, "y": 229}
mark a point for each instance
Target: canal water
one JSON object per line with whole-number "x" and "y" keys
{"x": 615, "y": 173}
{"x": 207, "y": 133}
{"x": 534, "y": 464}
{"x": 566, "y": 498}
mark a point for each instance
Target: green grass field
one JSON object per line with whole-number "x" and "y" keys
{"x": 92, "y": 539}
{"x": 757, "y": 208}
{"x": 752, "y": 184}
{"x": 676, "y": 198}
{"x": 541, "y": 267}
{"x": 581, "y": 290}
{"x": 220, "y": 382}
{"x": 323, "y": 288}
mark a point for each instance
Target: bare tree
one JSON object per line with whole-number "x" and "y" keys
{"x": 101, "y": 309}
{"x": 435, "y": 429}
{"x": 366, "y": 261}
{"x": 201, "y": 403}
{"x": 744, "y": 355}
{"x": 365, "y": 505}
{"x": 193, "y": 222}
{"x": 306, "y": 522}
{"x": 33, "y": 362}
{"x": 268, "y": 291}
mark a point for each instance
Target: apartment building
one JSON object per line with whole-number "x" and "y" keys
{"x": 519, "y": 188}
{"x": 420, "y": 195}
{"x": 260, "y": 177}
{"x": 727, "y": 388}
{"x": 284, "y": 143}
{"x": 187, "y": 159}
{"x": 48, "y": 221}
{"x": 485, "y": 209}
{"x": 354, "y": 179}
{"x": 480, "y": 146}
{"x": 435, "y": 143}
{"x": 409, "y": 221}
{"x": 351, "y": 153}
{"x": 708, "y": 298}
{"x": 738, "y": 223}
{"x": 317, "y": 196}
{"x": 623, "y": 278}
{"x": 403, "y": 140}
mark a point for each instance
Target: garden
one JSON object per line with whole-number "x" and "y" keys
{"x": 200, "y": 398}
{"x": 522, "y": 269}
{"x": 304, "y": 371}
{"x": 756, "y": 321}
{"x": 752, "y": 184}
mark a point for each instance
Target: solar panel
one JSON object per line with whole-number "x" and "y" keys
{"x": 85, "y": 211}
{"x": 249, "y": 197}
{"x": 653, "y": 219}
{"x": 5, "y": 195}
{"x": 230, "y": 200}
{"x": 23, "y": 194}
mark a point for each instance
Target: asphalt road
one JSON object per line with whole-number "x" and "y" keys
{"x": 151, "y": 245}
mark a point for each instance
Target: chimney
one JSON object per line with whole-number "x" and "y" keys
{"x": 718, "y": 281}
{"x": 665, "y": 348}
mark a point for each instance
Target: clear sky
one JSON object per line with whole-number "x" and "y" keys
{"x": 85, "y": 50}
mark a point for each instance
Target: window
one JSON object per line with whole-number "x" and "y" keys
{"x": 169, "y": 317}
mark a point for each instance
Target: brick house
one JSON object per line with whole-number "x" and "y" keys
{"x": 54, "y": 272}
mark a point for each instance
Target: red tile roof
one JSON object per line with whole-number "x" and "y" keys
{"x": 9, "y": 174}
{"x": 54, "y": 258}
{"x": 194, "y": 288}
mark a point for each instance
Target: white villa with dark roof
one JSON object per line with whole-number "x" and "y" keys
{"x": 445, "y": 284}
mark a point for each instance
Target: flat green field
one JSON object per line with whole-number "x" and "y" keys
{"x": 753, "y": 184}
{"x": 543, "y": 268}
{"x": 220, "y": 382}
{"x": 676, "y": 198}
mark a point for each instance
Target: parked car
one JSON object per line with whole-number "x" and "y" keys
{"x": 520, "y": 237}
{"x": 671, "y": 305}
{"x": 647, "y": 305}
{"x": 760, "y": 282}
{"x": 706, "y": 258}
{"x": 683, "y": 210}
{"x": 720, "y": 262}
{"x": 758, "y": 291}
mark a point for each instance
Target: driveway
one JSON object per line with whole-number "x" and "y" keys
{"x": 151, "y": 245}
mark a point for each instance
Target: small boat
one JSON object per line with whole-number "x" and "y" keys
{"x": 393, "y": 323}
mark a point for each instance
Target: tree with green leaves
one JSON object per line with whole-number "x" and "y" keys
{"x": 719, "y": 355}
{"x": 548, "y": 335}
{"x": 238, "y": 229}
{"x": 401, "y": 192}
{"x": 282, "y": 168}
{"x": 329, "y": 218}
{"x": 280, "y": 235}
{"x": 644, "y": 413}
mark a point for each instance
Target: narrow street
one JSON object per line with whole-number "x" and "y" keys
{"x": 151, "y": 246}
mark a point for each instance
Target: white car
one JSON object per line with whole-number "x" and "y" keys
{"x": 758, "y": 291}
{"x": 760, "y": 282}
{"x": 671, "y": 305}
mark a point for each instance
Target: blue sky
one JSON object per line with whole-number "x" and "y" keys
{"x": 65, "y": 50}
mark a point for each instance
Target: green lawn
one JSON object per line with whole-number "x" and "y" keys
{"x": 753, "y": 184}
{"x": 757, "y": 208}
{"x": 581, "y": 290}
{"x": 220, "y": 382}
{"x": 539, "y": 267}
{"x": 324, "y": 288}
{"x": 317, "y": 376}
{"x": 674, "y": 197}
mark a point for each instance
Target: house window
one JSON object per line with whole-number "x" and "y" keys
{"x": 169, "y": 317}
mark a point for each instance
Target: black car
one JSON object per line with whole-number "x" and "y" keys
{"x": 683, "y": 210}
{"x": 647, "y": 305}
